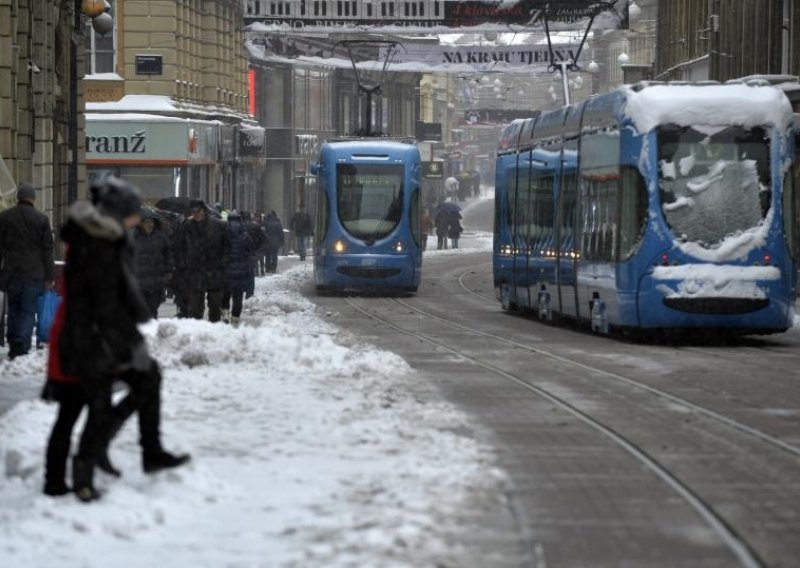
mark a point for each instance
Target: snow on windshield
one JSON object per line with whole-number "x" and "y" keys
{"x": 717, "y": 203}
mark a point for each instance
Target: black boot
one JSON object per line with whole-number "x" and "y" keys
{"x": 104, "y": 464}
{"x": 122, "y": 411}
{"x": 83, "y": 479}
{"x": 56, "y": 489}
{"x": 156, "y": 461}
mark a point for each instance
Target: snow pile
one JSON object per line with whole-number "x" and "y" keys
{"x": 309, "y": 449}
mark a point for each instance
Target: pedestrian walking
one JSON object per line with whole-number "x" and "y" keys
{"x": 442, "y": 223}
{"x": 179, "y": 281}
{"x": 300, "y": 224}
{"x": 274, "y": 229}
{"x": 205, "y": 246}
{"x": 153, "y": 260}
{"x": 98, "y": 340}
{"x": 454, "y": 228}
{"x": 26, "y": 266}
{"x": 239, "y": 275}
{"x": 426, "y": 228}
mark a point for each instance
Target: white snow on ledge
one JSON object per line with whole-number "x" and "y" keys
{"x": 103, "y": 77}
{"x": 152, "y": 103}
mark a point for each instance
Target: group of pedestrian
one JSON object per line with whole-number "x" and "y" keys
{"x": 120, "y": 259}
{"x": 447, "y": 222}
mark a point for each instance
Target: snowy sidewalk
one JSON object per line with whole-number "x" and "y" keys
{"x": 309, "y": 449}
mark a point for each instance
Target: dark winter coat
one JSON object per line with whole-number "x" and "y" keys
{"x": 274, "y": 230}
{"x": 239, "y": 275}
{"x": 454, "y": 228}
{"x": 103, "y": 300}
{"x": 153, "y": 259}
{"x": 301, "y": 224}
{"x": 206, "y": 248}
{"x": 26, "y": 243}
{"x": 442, "y": 223}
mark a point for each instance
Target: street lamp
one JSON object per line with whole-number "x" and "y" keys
{"x": 102, "y": 22}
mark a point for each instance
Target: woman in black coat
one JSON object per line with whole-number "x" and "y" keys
{"x": 153, "y": 260}
{"x": 239, "y": 275}
{"x": 100, "y": 341}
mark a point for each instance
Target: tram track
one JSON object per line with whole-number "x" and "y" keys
{"x": 737, "y": 425}
{"x": 726, "y": 533}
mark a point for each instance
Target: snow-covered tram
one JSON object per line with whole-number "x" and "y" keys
{"x": 368, "y": 233}
{"x": 656, "y": 206}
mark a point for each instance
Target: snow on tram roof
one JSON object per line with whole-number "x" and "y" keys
{"x": 746, "y": 105}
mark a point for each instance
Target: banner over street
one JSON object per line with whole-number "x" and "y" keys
{"x": 433, "y": 16}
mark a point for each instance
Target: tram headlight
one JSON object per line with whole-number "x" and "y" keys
{"x": 507, "y": 250}
{"x": 398, "y": 247}
{"x": 338, "y": 246}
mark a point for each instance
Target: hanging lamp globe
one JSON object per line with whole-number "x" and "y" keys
{"x": 93, "y": 8}
{"x": 103, "y": 24}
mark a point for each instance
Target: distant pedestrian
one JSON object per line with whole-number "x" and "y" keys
{"x": 275, "y": 238}
{"x": 451, "y": 187}
{"x": 442, "y": 223}
{"x": 99, "y": 340}
{"x": 426, "y": 228}
{"x": 239, "y": 275}
{"x": 179, "y": 282}
{"x": 26, "y": 266}
{"x": 153, "y": 260}
{"x": 454, "y": 228}
{"x": 205, "y": 246}
{"x": 300, "y": 224}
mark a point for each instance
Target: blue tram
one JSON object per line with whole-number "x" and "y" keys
{"x": 656, "y": 206}
{"x": 367, "y": 234}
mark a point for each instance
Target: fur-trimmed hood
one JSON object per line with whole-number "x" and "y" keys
{"x": 95, "y": 222}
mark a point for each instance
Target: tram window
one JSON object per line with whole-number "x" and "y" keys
{"x": 791, "y": 214}
{"x": 568, "y": 210}
{"x": 323, "y": 212}
{"x": 543, "y": 214}
{"x": 599, "y": 176}
{"x": 522, "y": 201}
{"x": 633, "y": 211}
{"x": 416, "y": 226}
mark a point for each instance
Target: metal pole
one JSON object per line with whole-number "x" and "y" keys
{"x": 72, "y": 175}
{"x": 563, "y": 66}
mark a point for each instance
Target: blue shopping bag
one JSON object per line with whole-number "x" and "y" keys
{"x": 45, "y": 314}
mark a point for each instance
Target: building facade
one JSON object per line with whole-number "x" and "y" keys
{"x": 40, "y": 101}
{"x": 168, "y": 102}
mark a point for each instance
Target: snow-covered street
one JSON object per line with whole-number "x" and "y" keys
{"x": 309, "y": 449}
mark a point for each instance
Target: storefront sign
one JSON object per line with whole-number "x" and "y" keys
{"x": 428, "y": 131}
{"x": 306, "y": 145}
{"x": 252, "y": 142}
{"x": 161, "y": 141}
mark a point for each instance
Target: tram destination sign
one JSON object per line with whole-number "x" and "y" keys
{"x": 435, "y": 16}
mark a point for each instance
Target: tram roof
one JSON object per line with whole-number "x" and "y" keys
{"x": 747, "y": 104}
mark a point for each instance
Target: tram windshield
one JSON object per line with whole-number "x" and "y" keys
{"x": 369, "y": 199}
{"x": 714, "y": 181}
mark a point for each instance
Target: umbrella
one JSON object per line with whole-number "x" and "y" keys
{"x": 449, "y": 207}
{"x": 178, "y": 205}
